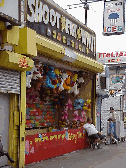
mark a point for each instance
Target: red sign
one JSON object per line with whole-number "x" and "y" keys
{"x": 47, "y": 145}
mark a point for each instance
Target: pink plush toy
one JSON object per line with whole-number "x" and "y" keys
{"x": 69, "y": 104}
{"x": 65, "y": 114}
{"x": 83, "y": 114}
{"x": 75, "y": 115}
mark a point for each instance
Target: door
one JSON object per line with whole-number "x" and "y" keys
{"x": 4, "y": 124}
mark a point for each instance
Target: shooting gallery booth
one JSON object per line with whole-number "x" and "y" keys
{"x": 60, "y": 88}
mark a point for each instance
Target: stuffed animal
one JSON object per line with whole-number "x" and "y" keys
{"x": 74, "y": 89}
{"x": 50, "y": 75}
{"x": 75, "y": 115}
{"x": 37, "y": 74}
{"x": 63, "y": 78}
{"x": 79, "y": 103}
{"x": 29, "y": 76}
{"x": 66, "y": 83}
{"x": 69, "y": 104}
{"x": 65, "y": 114}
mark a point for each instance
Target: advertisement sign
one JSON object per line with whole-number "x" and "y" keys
{"x": 117, "y": 79}
{"x": 114, "y": 57}
{"x": 10, "y": 11}
{"x": 114, "y": 17}
{"x": 55, "y": 24}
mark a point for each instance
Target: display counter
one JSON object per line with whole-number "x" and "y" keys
{"x": 43, "y": 146}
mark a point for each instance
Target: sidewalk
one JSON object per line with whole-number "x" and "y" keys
{"x": 109, "y": 156}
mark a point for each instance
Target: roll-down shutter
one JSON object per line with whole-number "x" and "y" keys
{"x": 9, "y": 81}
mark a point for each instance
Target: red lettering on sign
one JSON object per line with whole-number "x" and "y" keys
{"x": 114, "y": 28}
{"x": 108, "y": 55}
{"x": 112, "y": 55}
{"x": 112, "y": 60}
{"x": 121, "y": 54}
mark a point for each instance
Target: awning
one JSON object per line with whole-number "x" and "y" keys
{"x": 14, "y": 61}
{"x": 101, "y": 92}
{"x": 58, "y": 52}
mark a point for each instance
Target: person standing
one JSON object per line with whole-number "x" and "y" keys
{"x": 114, "y": 117}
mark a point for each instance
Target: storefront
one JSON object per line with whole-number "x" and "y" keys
{"x": 60, "y": 89}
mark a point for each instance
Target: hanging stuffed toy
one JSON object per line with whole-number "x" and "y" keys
{"x": 83, "y": 117}
{"x": 65, "y": 114}
{"x": 50, "y": 75}
{"x": 63, "y": 78}
{"x": 79, "y": 103}
{"x": 37, "y": 74}
{"x": 69, "y": 104}
{"x": 87, "y": 105}
{"x": 75, "y": 115}
{"x": 66, "y": 83}
{"x": 29, "y": 76}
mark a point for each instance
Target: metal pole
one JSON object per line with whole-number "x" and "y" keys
{"x": 86, "y": 14}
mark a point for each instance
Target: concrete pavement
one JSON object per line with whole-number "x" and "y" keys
{"x": 109, "y": 156}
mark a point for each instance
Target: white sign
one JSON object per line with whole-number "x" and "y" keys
{"x": 114, "y": 17}
{"x": 117, "y": 57}
{"x": 69, "y": 55}
{"x": 10, "y": 9}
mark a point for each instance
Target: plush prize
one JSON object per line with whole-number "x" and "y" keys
{"x": 69, "y": 104}
{"x": 63, "y": 78}
{"x": 50, "y": 75}
{"x": 79, "y": 103}
{"x": 66, "y": 84}
{"x": 75, "y": 115}
{"x": 37, "y": 74}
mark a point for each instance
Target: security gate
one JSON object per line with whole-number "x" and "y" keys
{"x": 9, "y": 83}
{"x": 4, "y": 124}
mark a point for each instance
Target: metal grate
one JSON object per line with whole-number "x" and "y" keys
{"x": 9, "y": 81}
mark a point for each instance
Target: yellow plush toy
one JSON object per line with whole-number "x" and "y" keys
{"x": 75, "y": 77}
{"x": 66, "y": 84}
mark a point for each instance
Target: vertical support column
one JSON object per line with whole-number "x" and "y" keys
{"x": 11, "y": 127}
{"x": 93, "y": 99}
{"x": 22, "y": 120}
{"x": 14, "y": 129}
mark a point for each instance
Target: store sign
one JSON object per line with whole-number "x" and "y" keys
{"x": 54, "y": 24}
{"x": 10, "y": 10}
{"x": 117, "y": 57}
{"x": 114, "y": 17}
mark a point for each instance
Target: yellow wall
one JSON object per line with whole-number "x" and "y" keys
{"x": 14, "y": 128}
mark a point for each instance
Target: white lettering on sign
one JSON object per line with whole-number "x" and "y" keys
{"x": 73, "y": 29}
{"x": 68, "y": 26}
{"x": 52, "y": 17}
{"x": 38, "y": 12}
{"x": 58, "y": 17}
{"x": 45, "y": 14}
{"x": 83, "y": 34}
{"x": 30, "y": 3}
